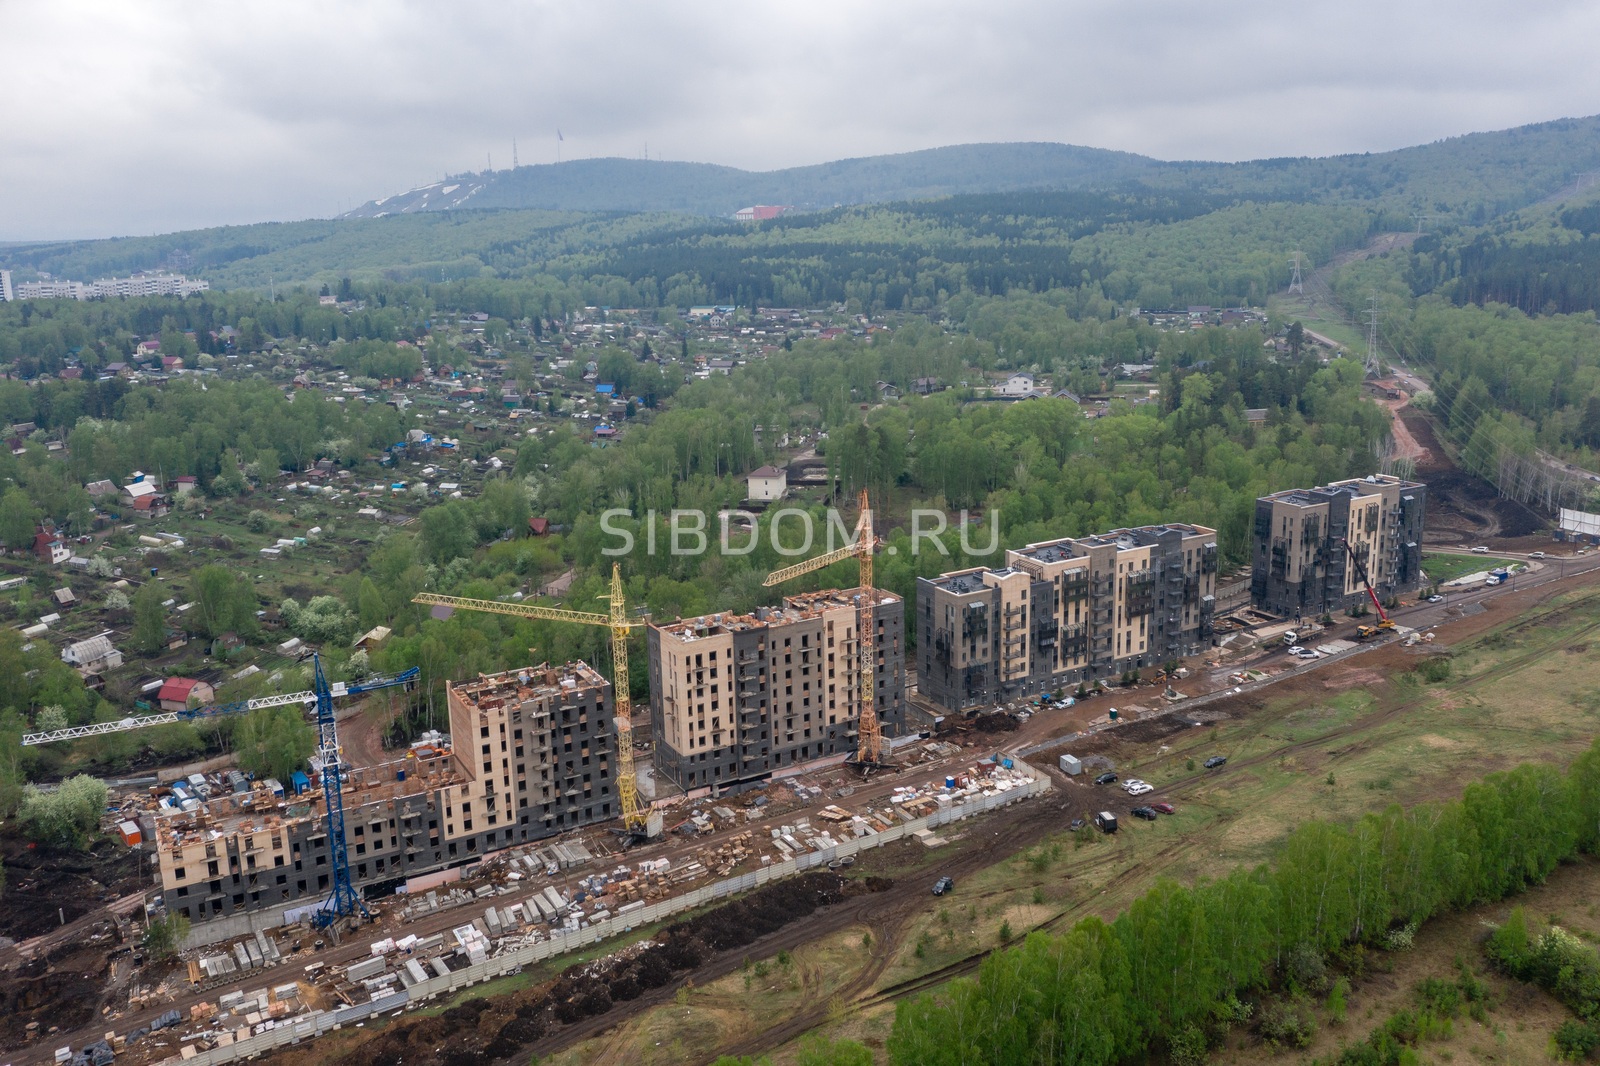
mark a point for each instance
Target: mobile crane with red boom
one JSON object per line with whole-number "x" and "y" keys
{"x": 1384, "y": 621}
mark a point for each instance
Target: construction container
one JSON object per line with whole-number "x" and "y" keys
{"x": 130, "y": 833}
{"x": 1106, "y": 822}
{"x": 1070, "y": 765}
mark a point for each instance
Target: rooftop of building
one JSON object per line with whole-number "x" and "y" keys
{"x": 797, "y": 608}
{"x": 1356, "y": 486}
{"x": 490, "y": 691}
{"x": 226, "y": 814}
{"x": 965, "y": 582}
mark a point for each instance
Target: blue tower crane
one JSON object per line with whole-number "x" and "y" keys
{"x": 343, "y": 900}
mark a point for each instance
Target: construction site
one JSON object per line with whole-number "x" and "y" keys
{"x": 353, "y": 891}
{"x": 535, "y": 760}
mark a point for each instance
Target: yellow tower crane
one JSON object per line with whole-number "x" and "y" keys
{"x": 869, "y": 743}
{"x": 634, "y": 817}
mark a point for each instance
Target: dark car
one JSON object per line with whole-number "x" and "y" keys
{"x": 943, "y": 885}
{"x": 1215, "y": 761}
{"x": 1164, "y": 808}
{"x": 1077, "y": 824}
{"x": 1106, "y": 779}
{"x": 1147, "y": 813}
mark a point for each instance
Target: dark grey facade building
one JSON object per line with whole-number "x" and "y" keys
{"x": 1064, "y": 612}
{"x": 1299, "y": 565}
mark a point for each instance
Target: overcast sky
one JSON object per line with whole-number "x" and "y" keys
{"x": 145, "y": 117}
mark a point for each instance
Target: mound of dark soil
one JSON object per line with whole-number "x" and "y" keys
{"x": 485, "y": 1030}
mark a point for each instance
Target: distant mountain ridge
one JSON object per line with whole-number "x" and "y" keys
{"x": 1030, "y": 201}
{"x": 636, "y": 185}
{"x": 709, "y": 189}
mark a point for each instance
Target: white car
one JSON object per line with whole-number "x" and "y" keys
{"x": 1134, "y": 787}
{"x": 1302, "y": 653}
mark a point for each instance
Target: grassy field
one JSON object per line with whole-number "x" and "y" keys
{"x": 1351, "y": 738}
{"x": 1446, "y": 567}
{"x": 764, "y": 992}
{"x": 1297, "y": 309}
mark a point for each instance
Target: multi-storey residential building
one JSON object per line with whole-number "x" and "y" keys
{"x": 147, "y": 285}
{"x": 1065, "y": 612}
{"x": 1299, "y": 566}
{"x": 533, "y": 756}
{"x": 109, "y": 288}
{"x": 52, "y": 290}
{"x": 734, "y": 698}
{"x": 6, "y": 292}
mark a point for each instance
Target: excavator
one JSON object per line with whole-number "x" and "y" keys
{"x": 1385, "y": 623}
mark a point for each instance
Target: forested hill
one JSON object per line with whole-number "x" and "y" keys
{"x": 707, "y": 189}
{"x": 1472, "y": 177}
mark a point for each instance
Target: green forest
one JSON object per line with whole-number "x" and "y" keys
{"x": 1169, "y": 971}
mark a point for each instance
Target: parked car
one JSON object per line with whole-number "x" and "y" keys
{"x": 1302, "y": 653}
{"x": 943, "y": 885}
{"x": 1106, "y": 779}
{"x": 1536, "y": 555}
{"x": 1147, "y": 813}
{"x": 1164, "y": 808}
{"x": 1215, "y": 761}
{"x": 1435, "y": 599}
{"x": 1077, "y": 824}
{"x": 1139, "y": 788}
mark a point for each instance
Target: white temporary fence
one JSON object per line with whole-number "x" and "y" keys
{"x": 304, "y": 1027}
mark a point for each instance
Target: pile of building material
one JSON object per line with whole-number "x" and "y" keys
{"x": 731, "y": 853}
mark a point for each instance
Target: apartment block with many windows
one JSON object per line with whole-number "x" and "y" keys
{"x": 533, "y": 756}
{"x": 1064, "y": 612}
{"x": 1299, "y": 565}
{"x": 737, "y": 698}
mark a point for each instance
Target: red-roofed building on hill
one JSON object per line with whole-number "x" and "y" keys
{"x": 178, "y": 691}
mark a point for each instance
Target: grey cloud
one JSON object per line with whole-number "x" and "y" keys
{"x": 156, "y": 116}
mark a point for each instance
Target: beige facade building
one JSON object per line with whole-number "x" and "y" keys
{"x": 734, "y": 698}
{"x": 532, "y": 754}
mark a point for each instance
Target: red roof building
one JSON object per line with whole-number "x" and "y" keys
{"x": 175, "y": 694}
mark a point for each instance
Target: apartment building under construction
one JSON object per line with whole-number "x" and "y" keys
{"x": 736, "y": 698}
{"x": 1300, "y": 567}
{"x": 531, "y": 755}
{"x": 1064, "y": 612}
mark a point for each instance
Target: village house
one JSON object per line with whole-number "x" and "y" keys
{"x": 1017, "y": 386}
{"x": 49, "y": 547}
{"x": 177, "y": 692}
{"x": 93, "y": 656}
{"x": 766, "y": 483}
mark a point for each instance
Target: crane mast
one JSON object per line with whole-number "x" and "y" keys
{"x": 343, "y": 899}
{"x": 869, "y": 741}
{"x": 634, "y": 816}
